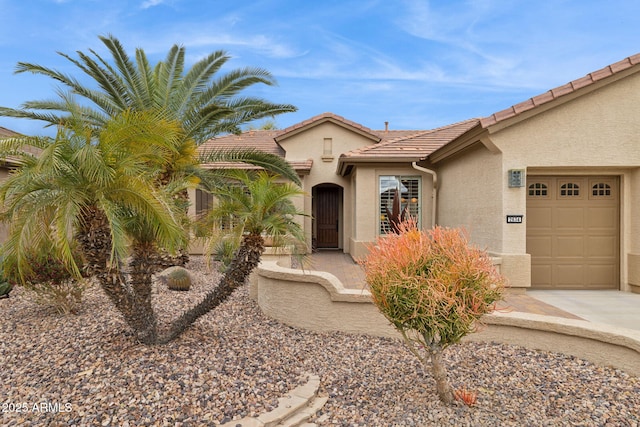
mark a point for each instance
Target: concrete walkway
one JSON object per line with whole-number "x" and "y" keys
{"x": 614, "y": 308}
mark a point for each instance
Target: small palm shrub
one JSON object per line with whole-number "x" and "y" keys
{"x": 50, "y": 283}
{"x": 433, "y": 287}
{"x": 224, "y": 251}
{"x": 5, "y": 287}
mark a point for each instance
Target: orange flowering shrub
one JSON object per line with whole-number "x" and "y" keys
{"x": 433, "y": 287}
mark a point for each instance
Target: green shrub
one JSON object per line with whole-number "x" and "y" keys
{"x": 5, "y": 287}
{"x": 433, "y": 287}
{"x": 224, "y": 252}
{"x": 50, "y": 283}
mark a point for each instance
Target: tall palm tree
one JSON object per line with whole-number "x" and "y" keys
{"x": 137, "y": 131}
{"x": 257, "y": 206}
{"x": 101, "y": 189}
{"x": 205, "y": 104}
{"x": 202, "y": 101}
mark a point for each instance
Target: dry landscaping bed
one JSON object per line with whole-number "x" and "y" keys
{"x": 87, "y": 370}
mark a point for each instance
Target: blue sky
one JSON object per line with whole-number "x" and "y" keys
{"x": 417, "y": 64}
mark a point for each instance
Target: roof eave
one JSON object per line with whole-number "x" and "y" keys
{"x": 313, "y": 124}
{"x": 561, "y": 94}
{"x": 345, "y": 162}
{"x": 461, "y": 143}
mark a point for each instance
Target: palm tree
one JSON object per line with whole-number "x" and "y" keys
{"x": 256, "y": 206}
{"x": 101, "y": 189}
{"x": 116, "y": 173}
{"x": 204, "y": 103}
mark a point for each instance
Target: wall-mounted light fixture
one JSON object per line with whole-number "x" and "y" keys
{"x": 516, "y": 178}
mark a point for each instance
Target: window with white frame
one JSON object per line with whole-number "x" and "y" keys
{"x": 409, "y": 190}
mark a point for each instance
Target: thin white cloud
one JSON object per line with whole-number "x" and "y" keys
{"x": 150, "y": 3}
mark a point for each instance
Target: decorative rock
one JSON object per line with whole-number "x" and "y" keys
{"x": 235, "y": 362}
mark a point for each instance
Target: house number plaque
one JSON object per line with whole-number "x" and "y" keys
{"x": 514, "y": 219}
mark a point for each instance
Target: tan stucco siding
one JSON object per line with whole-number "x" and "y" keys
{"x": 470, "y": 196}
{"x": 312, "y": 144}
{"x": 601, "y": 128}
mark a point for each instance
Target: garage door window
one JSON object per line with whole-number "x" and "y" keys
{"x": 601, "y": 189}
{"x": 538, "y": 189}
{"x": 569, "y": 189}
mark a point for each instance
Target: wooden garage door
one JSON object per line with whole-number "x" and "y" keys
{"x": 573, "y": 232}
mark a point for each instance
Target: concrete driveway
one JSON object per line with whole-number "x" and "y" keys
{"x": 611, "y": 307}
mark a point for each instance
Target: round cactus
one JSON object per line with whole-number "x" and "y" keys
{"x": 177, "y": 278}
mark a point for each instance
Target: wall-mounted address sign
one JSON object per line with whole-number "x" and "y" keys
{"x": 514, "y": 219}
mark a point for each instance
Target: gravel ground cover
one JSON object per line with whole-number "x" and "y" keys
{"x": 86, "y": 370}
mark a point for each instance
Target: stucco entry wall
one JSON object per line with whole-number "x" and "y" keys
{"x": 317, "y": 301}
{"x": 323, "y": 144}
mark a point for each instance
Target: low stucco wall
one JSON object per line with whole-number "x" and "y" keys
{"x": 317, "y": 301}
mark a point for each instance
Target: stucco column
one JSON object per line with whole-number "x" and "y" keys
{"x": 364, "y": 223}
{"x": 631, "y": 243}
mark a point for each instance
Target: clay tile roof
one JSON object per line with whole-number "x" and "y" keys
{"x": 262, "y": 140}
{"x": 7, "y": 133}
{"x": 413, "y": 147}
{"x": 293, "y": 129}
{"x": 300, "y": 166}
{"x": 560, "y": 91}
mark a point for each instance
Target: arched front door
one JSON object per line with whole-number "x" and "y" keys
{"x": 327, "y": 199}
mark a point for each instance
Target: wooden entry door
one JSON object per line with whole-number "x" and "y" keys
{"x": 327, "y": 217}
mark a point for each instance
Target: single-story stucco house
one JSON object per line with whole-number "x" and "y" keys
{"x": 550, "y": 187}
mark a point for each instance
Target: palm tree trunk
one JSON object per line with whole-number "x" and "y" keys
{"x": 143, "y": 265}
{"x": 244, "y": 262}
{"x": 94, "y": 238}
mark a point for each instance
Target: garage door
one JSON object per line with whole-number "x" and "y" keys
{"x": 572, "y": 232}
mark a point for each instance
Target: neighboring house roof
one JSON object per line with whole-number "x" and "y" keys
{"x": 560, "y": 91}
{"x": 302, "y": 167}
{"x": 7, "y": 133}
{"x": 263, "y": 140}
